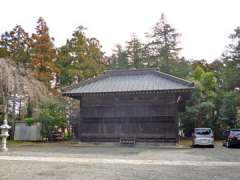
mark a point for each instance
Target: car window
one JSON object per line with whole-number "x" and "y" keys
{"x": 203, "y": 131}
{"x": 235, "y": 132}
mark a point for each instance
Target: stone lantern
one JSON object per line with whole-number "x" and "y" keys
{"x": 4, "y": 135}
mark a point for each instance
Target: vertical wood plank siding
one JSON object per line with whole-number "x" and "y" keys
{"x": 145, "y": 117}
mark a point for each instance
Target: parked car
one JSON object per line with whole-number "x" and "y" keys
{"x": 203, "y": 137}
{"x": 232, "y": 138}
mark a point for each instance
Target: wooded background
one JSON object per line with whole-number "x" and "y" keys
{"x": 34, "y": 72}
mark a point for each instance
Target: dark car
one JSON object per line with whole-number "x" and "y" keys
{"x": 232, "y": 138}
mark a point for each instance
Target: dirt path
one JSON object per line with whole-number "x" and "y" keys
{"x": 119, "y": 161}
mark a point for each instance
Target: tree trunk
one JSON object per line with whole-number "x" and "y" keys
{"x": 13, "y": 116}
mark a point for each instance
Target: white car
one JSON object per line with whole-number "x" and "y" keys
{"x": 203, "y": 137}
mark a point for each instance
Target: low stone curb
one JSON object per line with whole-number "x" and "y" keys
{"x": 138, "y": 145}
{"x": 108, "y": 145}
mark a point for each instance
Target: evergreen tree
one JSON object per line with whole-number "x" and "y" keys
{"x": 181, "y": 68}
{"x": 43, "y": 53}
{"x": 16, "y": 45}
{"x": 163, "y": 46}
{"x": 119, "y": 58}
{"x": 228, "y": 109}
{"x": 80, "y": 58}
{"x": 135, "y": 52}
{"x": 231, "y": 60}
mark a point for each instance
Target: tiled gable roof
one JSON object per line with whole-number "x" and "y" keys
{"x": 129, "y": 81}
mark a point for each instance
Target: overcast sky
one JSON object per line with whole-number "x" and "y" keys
{"x": 204, "y": 24}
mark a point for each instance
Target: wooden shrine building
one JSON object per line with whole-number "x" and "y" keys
{"x": 137, "y": 105}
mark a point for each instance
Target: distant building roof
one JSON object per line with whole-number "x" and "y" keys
{"x": 130, "y": 81}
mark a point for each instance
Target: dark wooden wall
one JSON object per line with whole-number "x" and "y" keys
{"x": 148, "y": 118}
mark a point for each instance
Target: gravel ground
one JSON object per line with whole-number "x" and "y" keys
{"x": 64, "y": 161}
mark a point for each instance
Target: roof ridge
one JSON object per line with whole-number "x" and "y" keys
{"x": 140, "y": 71}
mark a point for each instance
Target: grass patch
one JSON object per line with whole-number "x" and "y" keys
{"x": 14, "y": 143}
{"x": 185, "y": 142}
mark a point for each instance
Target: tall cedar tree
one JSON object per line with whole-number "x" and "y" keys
{"x": 135, "y": 52}
{"x": 163, "y": 45}
{"x": 231, "y": 60}
{"x": 119, "y": 58}
{"x": 43, "y": 53}
{"x": 79, "y": 59}
{"x": 16, "y": 45}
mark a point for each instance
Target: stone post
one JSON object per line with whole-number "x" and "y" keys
{"x": 4, "y": 135}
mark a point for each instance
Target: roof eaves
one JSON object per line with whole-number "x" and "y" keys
{"x": 189, "y": 89}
